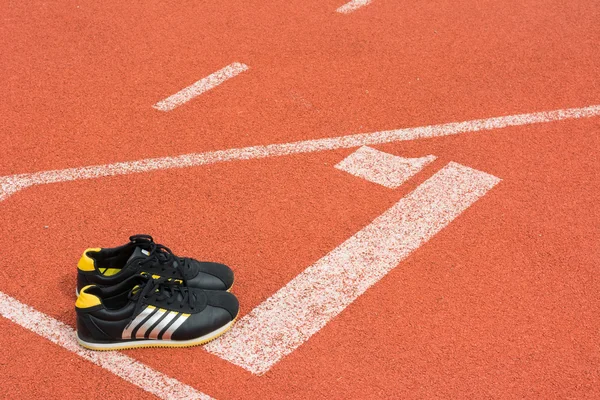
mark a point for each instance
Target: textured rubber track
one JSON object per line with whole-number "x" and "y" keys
{"x": 501, "y": 304}
{"x": 64, "y": 374}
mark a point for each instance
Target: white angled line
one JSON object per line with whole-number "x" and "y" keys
{"x": 297, "y": 311}
{"x": 201, "y": 86}
{"x": 119, "y": 364}
{"x": 383, "y": 168}
{"x": 352, "y": 6}
{"x": 12, "y": 184}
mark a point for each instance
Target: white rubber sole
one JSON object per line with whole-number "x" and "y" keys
{"x": 135, "y": 344}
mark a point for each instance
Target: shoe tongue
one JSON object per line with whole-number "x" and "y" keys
{"x": 138, "y": 253}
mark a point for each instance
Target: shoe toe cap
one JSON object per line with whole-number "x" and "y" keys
{"x": 225, "y": 301}
{"x": 212, "y": 276}
{"x": 221, "y": 309}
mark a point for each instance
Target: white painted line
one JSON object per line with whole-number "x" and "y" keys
{"x": 352, "y": 6}
{"x": 383, "y": 168}
{"x": 297, "y": 311}
{"x": 119, "y": 364}
{"x": 12, "y": 184}
{"x": 201, "y": 86}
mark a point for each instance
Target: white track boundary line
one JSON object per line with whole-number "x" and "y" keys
{"x": 119, "y": 364}
{"x": 201, "y": 86}
{"x": 12, "y": 184}
{"x": 308, "y": 302}
{"x": 352, "y": 6}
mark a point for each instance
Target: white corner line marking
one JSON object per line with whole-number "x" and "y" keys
{"x": 352, "y": 6}
{"x": 383, "y": 168}
{"x": 201, "y": 86}
{"x": 119, "y": 364}
{"x": 13, "y": 183}
{"x": 308, "y": 302}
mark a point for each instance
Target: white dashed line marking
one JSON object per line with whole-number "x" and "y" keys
{"x": 203, "y": 85}
{"x": 352, "y": 6}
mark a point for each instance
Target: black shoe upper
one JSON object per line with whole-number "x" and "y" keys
{"x": 124, "y": 308}
{"x": 142, "y": 255}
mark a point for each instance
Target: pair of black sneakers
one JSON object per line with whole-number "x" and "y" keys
{"x": 142, "y": 295}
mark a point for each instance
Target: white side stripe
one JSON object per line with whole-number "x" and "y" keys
{"x": 136, "y": 321}
{"x": 151, "y": 321}
{"x": 161, "y": 325}
{"x": 13, "y": 183}
{"x": 297, "y": 311}
{"x": 176, "y": 324}
{"x": 385, "y": 169}
{"x": 201, "y": 86}
{"x": 118, "y": 363}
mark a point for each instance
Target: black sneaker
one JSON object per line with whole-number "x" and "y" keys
{"x": 146, "y": 312}
{"x": 110, "y": 266}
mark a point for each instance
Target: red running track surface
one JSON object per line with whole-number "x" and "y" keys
{"x": 502, "y": 303}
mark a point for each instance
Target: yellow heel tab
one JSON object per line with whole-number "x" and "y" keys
{"x": 86, "y": 263}
{"x": 87, "y": 300}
